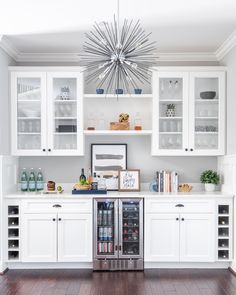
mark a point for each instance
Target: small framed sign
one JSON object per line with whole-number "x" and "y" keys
{"x": 129, "y": 180}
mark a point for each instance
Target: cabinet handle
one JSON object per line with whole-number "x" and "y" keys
{"x": 177, "y": 218}
{"x": 44, "y": 150}
{"x": 120, "y": 247}
{"x": 116, "y": 247}
{"x": 182, "y": 219}
{"x": 49, "y": 150}
{"x": 54, "y": 219}
{"x": 59, "y": 219}
{"x": 56, "y": 206}
{"x": 191, "y": 150}
{"x": 186, "y": 150}
{"x": 179, "y": 205}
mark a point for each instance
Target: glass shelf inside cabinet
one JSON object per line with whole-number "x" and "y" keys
{"x": 29, "y": 113}
{"x": 65, "y": 113}
{"x": 206, "y": 113}
{"x": 130, "y": 228}
{"x": 105, "y": 228}
{"x": 170, "y": 113}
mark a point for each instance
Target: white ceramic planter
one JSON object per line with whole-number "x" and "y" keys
{"x": 210, "y": 187}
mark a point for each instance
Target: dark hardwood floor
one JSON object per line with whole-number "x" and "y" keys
{"x": 86, "y": 282}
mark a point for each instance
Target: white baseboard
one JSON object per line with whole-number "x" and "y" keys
{"x": 56, "y": 265}
{"x": 3, "y": 267}
{"x": 151, "y": 265}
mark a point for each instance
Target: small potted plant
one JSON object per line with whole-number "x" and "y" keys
{"x": 210, "y": 179}
{"x": 170, "y": 111}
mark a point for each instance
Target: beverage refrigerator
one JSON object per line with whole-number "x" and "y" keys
{"x": 118, "y": 234}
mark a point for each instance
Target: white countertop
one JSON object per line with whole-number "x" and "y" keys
{"x": 116, "y": 194}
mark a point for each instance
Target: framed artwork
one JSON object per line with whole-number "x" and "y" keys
{"x": 129, "y": 180}
{"x": 107, "y": 160}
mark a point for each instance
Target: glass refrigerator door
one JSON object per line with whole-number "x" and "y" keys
{"x": 131, "y": 228}
{"x": 105, "y": 229}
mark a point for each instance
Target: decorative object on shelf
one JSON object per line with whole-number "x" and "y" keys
{"x": 129, "y": 180}
{"x": 137, "y": 91}
{"x": 170, "y": 111}
{"x": 119, "y": 91}
{"x": 208, "y": 95}
{"x": 99, "y": 91}
{"x": 91, "y": 122}
{"x": 167, "y": 181}
{"x": 107, "y": 160}
{"x": 123, "y": 123}
{"x": 118, "y": 56}
{"x": 65, "y": 93}
{"x": 137, "y": 122}
{"x": 51, "y": 185}
{"x": 185, "y": 188}
{"x": 210, "y": 178}
{"x": 153, "y": 187}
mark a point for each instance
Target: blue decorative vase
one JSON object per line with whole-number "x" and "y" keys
{"x": 99, "y": 91}
{"x": 119, "y": 91}
{"x": 137, "y": 91}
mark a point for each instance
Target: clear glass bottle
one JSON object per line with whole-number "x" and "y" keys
{"x": 137, "y": 122}
{"x": 101, "y": 122}
{"x": 39, "y": 182}
{"x": 24, "y": 181}
{"x": 32, "y": 181}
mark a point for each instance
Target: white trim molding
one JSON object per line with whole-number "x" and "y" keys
{"x": 216, "y": 56}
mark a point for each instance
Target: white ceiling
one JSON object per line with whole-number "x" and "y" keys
{"x": 58, "y": 26}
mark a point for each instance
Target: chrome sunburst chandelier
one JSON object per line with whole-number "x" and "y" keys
{"x": 117, "y": 58}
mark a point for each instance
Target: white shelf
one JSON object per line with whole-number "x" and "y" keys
{"x": 206, "y": 118}
{"x": 28, "y": 133}
{"x": 65, "y": 133}
{"x": 206, "y": 132}
{"x": 29, "y": 118}
{"x": 170, "y": 132}
{"x": 65, "y": 101}
{"x": 118, "y": 132}
{"x": 170, "y": 118}
{"x": 65, "y": 118}
{"x": 118, "y": 96}
{"x": 28, "y": 100}
{"x": 14, "y": 249}
{"x": 207, "y": 100}
{"x": 170, "y": 101}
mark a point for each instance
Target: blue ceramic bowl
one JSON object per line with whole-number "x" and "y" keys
{"x": 137, "y": 91}
{"x": 119, "y": 91}
{"x": 99, "y": 91}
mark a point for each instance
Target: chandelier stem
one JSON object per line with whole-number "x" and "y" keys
{"x": 118, "y": 22}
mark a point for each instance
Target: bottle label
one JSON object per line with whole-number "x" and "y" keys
{"x": 24, "y": 185}
{"x": 32, "y": 185}
{"x": 40, "y": 185}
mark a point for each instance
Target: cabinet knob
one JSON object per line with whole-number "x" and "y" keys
{"x": 44, "y": 150}
{"x": 182, "y": 219}
{"x": 186, "y": 150}
{"x": 54, "y": 219}
{"x": 49, "y": 150}
{"x": 59, "y": 219}
{"x": 191, "y": 150}
{"x": 177, "y": 218}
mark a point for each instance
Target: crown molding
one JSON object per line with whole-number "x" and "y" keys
{"x": 8, "y": 47}
{"x": 226, "y": 47}
{"x": 218, "y": 55}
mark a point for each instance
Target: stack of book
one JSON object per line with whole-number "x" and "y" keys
{"x": 167, "y": 181}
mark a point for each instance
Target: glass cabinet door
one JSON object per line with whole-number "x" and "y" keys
{"x": 172, "y": 106}
{"x": 208, "y": 112}
{"x": 29, "y": 108}
{"x": 65, "y": 113}
{"x": 105, "y": 228}
{"x": 131, "y": 228}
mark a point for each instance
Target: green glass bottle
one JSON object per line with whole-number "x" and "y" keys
{"x": 24, "y": 181}
{"x": 32, "y": 182}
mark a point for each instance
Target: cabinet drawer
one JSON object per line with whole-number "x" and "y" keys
{"x": 179, "y": 206}
{"x": 33, "y": 206}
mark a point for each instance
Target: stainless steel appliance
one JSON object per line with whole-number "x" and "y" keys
{"x": 118, "y": 234}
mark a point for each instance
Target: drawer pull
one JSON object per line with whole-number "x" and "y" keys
{"x": 177, "y": 218}
{"x": 59, "y": 219}
{"x": 54, "y": 219}
{"x": 179, "y": 205}
{"x": 56, "y": 206}
{"x": 182, "y": 219}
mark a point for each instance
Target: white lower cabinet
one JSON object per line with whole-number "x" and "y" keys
{"x": 74, "y": 237}
{"x": 39, "y": 238}
{"x": 179, "y": 237}
{"x": 57, "y": 237}
{"x": 161, "y": 237}
{"x": 197, "y": 238}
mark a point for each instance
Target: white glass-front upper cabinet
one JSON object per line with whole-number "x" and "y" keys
{"x": 170, "y": 113}
{"x": 188, "y": 112}
{"x": 207, "y": 113}
{"x": 65, "y": 113}
{"x": 28, "y": 112}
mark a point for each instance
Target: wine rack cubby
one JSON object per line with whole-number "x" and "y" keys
{"x": 224, "y": 232}
{"x": 13, "y": 233}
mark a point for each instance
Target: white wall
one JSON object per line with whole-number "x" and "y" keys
{"x": 230, "y": 62}
{"x": 5, "y": 61}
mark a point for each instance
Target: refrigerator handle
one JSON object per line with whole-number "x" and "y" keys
{"x": 116, "y": 247}
{"x": 120, "y": 247}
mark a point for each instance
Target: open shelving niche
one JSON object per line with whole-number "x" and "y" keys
{"x": 13, "y": 233}
{"x": 105, "y": 108}
{"x": 224, "y": 232}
